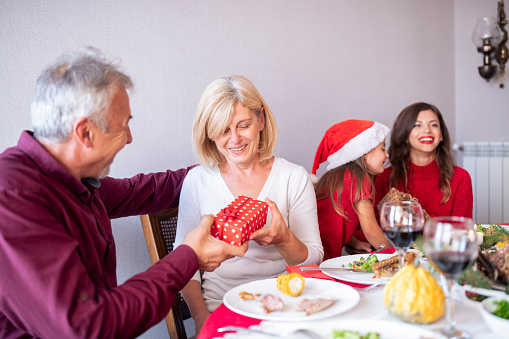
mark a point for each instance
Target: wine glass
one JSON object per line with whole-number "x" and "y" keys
{"x": 402, "y": 222}
{"x": 451, "y": 244}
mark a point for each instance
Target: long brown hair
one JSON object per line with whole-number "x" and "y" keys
{"x": 333, "y": 180}
{"x": 399, "y": 149}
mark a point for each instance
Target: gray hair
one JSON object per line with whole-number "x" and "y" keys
{"x": 78, "y": 85}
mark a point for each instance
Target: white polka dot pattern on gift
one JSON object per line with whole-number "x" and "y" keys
{"x": 242, "y": 216}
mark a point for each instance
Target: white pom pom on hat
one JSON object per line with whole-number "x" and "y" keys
{"x": 348, "y": 140}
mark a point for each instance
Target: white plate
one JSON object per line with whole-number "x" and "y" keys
{"x": 346, "y": 298}
{"x": 463, "y": 289}
{"x": 357, "y": 277}
{"x": 386, "y": 329}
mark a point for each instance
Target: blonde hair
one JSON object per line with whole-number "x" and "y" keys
{"x": 215, "y": 111}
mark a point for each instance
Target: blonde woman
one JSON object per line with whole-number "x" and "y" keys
{"x": 235, "y": 136}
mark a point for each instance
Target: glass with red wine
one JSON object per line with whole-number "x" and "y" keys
{"x": 451, "y": 244}
{"x": 402, "y": 222}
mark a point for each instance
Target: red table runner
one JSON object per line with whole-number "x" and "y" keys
{"x": 221, "y": 317}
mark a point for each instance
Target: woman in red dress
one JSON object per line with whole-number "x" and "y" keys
{"x": 422, "y": 164}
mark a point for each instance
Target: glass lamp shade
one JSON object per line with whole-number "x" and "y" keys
{"x": 487, "y": 32}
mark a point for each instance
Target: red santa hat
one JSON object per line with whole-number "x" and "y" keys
{"x": 347, "y": 141}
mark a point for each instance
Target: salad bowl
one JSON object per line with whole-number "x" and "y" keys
{"x": 497, "y": 324}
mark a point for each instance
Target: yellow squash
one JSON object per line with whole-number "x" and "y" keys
{"x": 414, "y": 296}
{"x": 290, "y": 283}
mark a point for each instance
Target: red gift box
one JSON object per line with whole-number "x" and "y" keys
{"x": 239, "y": 219}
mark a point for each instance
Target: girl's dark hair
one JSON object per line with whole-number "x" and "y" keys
{"x": 333, "y": 180}
{"x": 399, "y": 149}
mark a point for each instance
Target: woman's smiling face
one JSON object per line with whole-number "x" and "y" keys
{"x": 240, "y": 142}
{"x": 426, "y": 133}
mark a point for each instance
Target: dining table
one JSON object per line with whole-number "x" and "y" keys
{"x": 369, "y": 309}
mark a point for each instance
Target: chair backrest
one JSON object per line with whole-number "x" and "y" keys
{"x": 160, "y": 230}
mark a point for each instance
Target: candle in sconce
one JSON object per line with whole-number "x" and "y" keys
{"x": 480, "y": 235}
{"x": 480, "y": 238}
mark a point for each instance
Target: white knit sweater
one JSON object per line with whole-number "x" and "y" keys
{"x": 289, "y": 186}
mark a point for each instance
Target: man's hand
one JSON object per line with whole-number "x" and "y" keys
{"x": 211, "y": 252}
{"x": 277, "y": 233}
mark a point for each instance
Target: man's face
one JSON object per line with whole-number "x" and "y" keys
{"x": 109, "y": 143}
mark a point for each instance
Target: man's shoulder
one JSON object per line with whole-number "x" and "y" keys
{"x": 18, "y": 170}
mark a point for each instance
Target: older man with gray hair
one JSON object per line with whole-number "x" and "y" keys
{"x": 57, "y": 252}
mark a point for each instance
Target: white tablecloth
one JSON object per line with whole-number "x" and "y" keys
{"x": 371, "y": 308}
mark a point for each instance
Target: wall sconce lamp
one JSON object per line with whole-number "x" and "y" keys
{"x": 490, "y": 37}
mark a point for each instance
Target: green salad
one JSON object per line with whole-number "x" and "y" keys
{"x": 363, "y": 264}
{"x": 354, "y": 335}
{"x": 502, "y": 310}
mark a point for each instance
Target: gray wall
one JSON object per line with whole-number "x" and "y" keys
{"x": 315, "y": 62}
{"x": 482, "y": 109}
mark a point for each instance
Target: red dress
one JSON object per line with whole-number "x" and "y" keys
{"x": 423, "y": 184}
{"x": 335, "y": 230}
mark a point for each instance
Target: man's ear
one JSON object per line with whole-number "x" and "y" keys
{"x": 83, "y": 132}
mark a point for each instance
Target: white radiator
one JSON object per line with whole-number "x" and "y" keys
{"x": 488, "y": 165}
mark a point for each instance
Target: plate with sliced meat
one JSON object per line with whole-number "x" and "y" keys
{"x": 319, "y": 299}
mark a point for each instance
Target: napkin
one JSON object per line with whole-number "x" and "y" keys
{"x": 223, "y": 315}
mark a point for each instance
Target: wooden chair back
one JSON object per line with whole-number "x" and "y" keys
{"x": 160, "y": 230}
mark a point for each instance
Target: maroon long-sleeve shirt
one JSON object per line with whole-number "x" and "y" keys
{"x": 57, "y": 253}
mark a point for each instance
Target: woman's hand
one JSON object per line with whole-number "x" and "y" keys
{"x": 369, "y": 225}
{"x": 199, "y": 320}
{"x": 194, "y": 300}
{"x": 293, "y": 251}
{"x": 277, "y": 233}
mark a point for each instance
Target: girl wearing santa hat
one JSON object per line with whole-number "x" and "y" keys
{"x": 355, "y": 151}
